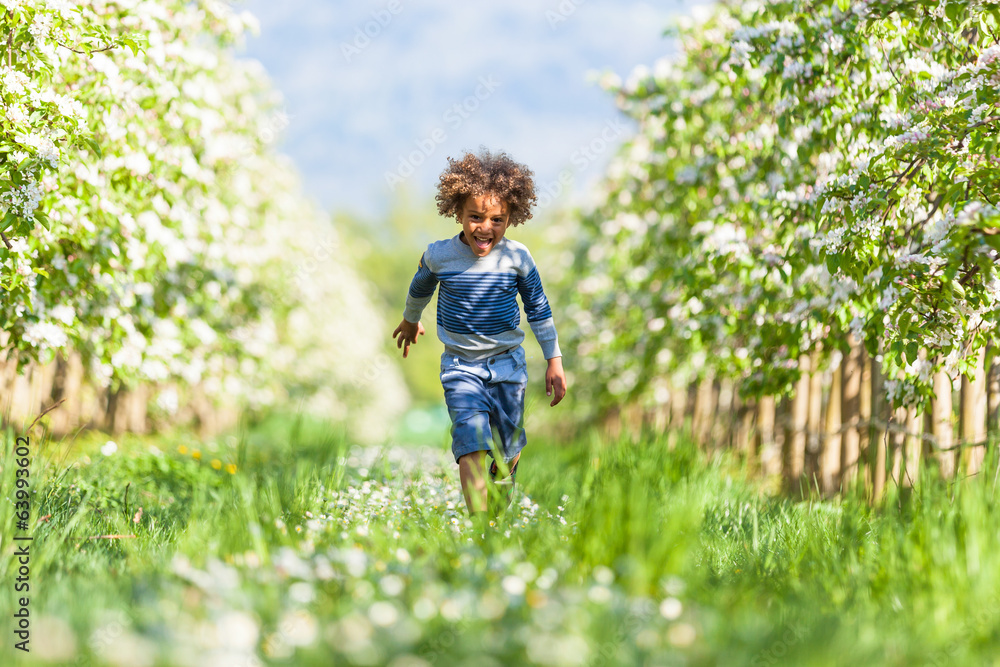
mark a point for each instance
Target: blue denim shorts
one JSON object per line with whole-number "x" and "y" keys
{"x": 485, "y": 401}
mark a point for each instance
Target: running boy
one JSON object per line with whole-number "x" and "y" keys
{"x": 480, "y": 271}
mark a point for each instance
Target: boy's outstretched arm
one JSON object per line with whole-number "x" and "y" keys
{"x": 421, "y": 290}
{"x": 555, "y": 380}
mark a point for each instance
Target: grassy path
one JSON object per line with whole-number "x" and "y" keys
{"x": 259, "y": 552}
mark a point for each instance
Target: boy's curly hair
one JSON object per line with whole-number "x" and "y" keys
{"x": 486, "y": 173}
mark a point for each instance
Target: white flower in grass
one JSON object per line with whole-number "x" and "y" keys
{"x": 109, "y": 448}
{"x": 682, "y": 635}
{"x": 60, "y": 643}
{"x": 298, "y": 628}
{"x": 604, "y": 575}
{"x": 383, "y": 614}
{"x": 238, "y": 630}
{"x": 599, "y": 594}
{"x": 513, "y": 585}
{"x": 671, "y": 608}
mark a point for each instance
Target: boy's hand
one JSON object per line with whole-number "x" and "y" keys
{"x": 407, "y": 332}
{"x": 555, "y": 380}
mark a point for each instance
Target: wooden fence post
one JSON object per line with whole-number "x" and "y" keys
{"x": 973, "y": 411}
{"x": 993, "y": 400}
{"x": 914, "y": 447}
{"x": 897, "y": 439}
{"x": 770, "y": 457}
{"x": 704, "y": 410}
{"x": 814, "y": 422}
{"x": 20, "y": 399}
{"x": 865, "y": 462}
{"x": 877, "y": 434}
{"x": 742, "y": 440}
{"x": 7, "y": 377}
{"x": 830, "y": 462}
{"x": 678, "y": 407}
{"x": 723, "y": 433}
{"x": 66, "y": 417}
{"x": 941, "y": 428}
{"x": 794, "y": 450}
{"x": 851, "y": 416}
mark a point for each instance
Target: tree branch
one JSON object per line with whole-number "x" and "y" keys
{"x": 86, "y": 53}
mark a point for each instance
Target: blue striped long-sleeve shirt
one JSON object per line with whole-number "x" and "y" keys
{"x": 477, "y": 312}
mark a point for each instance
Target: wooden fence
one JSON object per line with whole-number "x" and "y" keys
{"x": 68, "y": 402}
{"x": 836, "y": 430}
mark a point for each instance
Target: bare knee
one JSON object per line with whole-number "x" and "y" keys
{"x": 471, "y": 460}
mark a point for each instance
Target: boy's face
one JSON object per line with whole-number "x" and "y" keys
{"x": 484, "y": 221}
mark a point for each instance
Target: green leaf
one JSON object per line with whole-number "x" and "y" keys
{"x": 126, "y": 41}
{"x": 96, "y": 146}
{"x": 43, "y": 219}
{"x": 871, "y": 346}
{"x": 952, "y": 11}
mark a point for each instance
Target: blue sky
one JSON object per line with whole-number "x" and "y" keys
{"x": 379, "y": 93}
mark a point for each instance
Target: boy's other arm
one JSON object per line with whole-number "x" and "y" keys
{"x": 538, "y": 312}
{"x": 539, "y": 316}
{"x": 555, "y": 380}
{"x": 421, "y": 291}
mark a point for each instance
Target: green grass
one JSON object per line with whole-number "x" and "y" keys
{"x": 314, "y": 552}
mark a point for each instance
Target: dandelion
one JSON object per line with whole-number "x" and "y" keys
{"x": 231, "y": 468}
{"x": 196, "y": 455}
{"x": 216, "y": 464}
{"x": 109, "y": 448}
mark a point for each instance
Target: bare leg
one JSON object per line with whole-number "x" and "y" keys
{"x": 470, "y": 471}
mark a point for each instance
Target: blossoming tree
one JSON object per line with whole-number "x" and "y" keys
{"x": 805, "y": 176}
{"x": 149, "y": 230}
